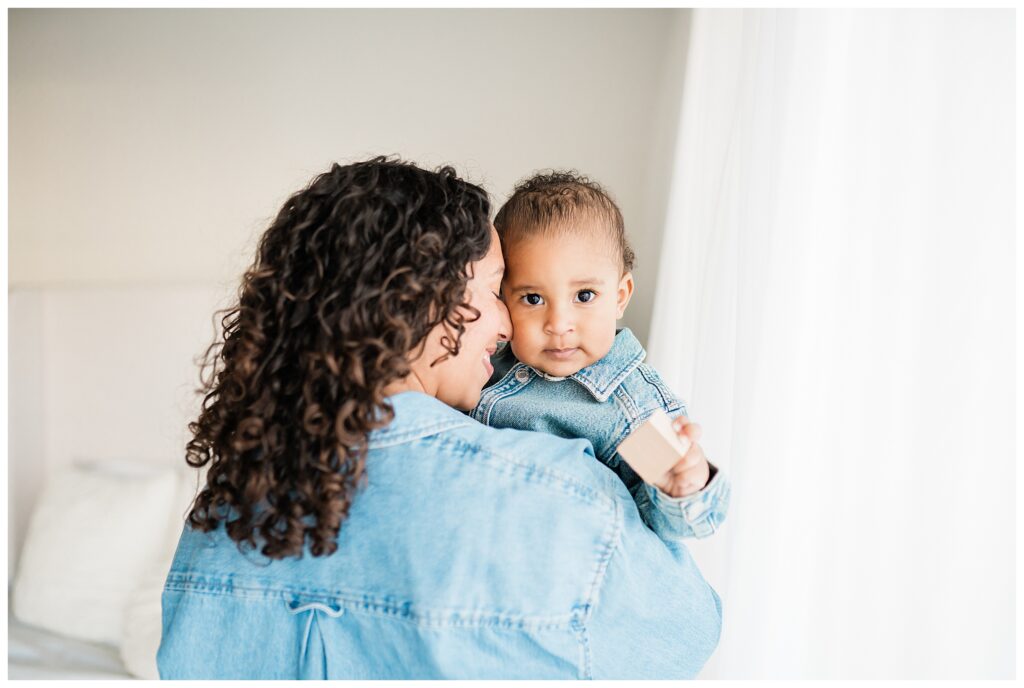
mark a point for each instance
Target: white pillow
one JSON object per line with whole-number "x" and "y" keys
{"x": 142, "y": 619}
{"x": 94, "y": 533}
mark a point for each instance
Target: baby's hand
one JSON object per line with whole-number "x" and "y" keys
{"x": 692, "y": 472}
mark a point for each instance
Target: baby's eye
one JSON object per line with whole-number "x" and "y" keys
{"x": 533, "y": 299}
{"x": 586, "y": 295}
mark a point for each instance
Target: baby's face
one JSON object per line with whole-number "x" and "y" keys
{"x": 564, "y": 294}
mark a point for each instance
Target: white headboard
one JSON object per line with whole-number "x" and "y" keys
{"x": 100, "y": 373}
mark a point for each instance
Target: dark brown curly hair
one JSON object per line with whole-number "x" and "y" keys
{"x": 347, "y": 282}
{"x": 555, "y": 200}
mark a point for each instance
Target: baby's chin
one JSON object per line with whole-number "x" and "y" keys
{"x": 559, "y": 368}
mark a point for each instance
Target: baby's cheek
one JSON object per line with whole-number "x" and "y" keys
{"x": 520, "y": 324}
{"x": 598, "y": 347}
{"x": 517, "y": 349}
{"x": 523, "y": 341}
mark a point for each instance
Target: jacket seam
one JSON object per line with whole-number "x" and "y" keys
{"x": 580, "y": 620}
{"x": 489, "y": 458}
{"x": 583, "y": 638}
{"x": 630, "y": 413}
{"x": 636, "y": 413}
{"x": 475, "y": 448}
{"x": 586, "y": 493}
{"x": 360, "y": 604}
{"x": 612, "y": 542}
{"x": 669, "y": 401}
{"x": 414, "y": 434}
{"x": 496, "y": 393}
{"x": 601, "y": 388}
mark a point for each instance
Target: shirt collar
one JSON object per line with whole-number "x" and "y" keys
{"x": 416, "y": 415}
{"x": 603, "y": 376}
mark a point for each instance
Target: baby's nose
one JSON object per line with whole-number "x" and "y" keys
{"x": 558, "y": 326}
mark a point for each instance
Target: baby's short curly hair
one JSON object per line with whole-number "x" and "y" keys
{"x": 561, "y": 200}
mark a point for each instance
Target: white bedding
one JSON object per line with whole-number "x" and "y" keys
{"x": 33, "y": 653}
{"x": 71, "y": 342}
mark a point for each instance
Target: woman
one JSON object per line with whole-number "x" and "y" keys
{"x": 353, "y": 523}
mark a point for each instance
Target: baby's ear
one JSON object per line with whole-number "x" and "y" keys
{"x": 625, "y": 292}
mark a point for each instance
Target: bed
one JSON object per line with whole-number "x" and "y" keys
{"x": 102, "y": 385}
{"x": 35, "y": 653}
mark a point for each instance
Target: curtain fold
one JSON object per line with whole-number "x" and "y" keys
{"x": 835, "y": 302}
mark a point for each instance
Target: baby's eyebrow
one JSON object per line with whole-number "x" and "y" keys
{"x": 575, "y": 283}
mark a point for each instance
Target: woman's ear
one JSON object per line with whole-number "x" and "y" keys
{"x": 624, "y": 294}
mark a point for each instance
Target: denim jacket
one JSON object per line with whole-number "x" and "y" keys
{"x": 471, "y": 552}
{"x": 604, "y": 403}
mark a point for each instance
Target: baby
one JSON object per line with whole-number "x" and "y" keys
{"x": 568, "y": 370}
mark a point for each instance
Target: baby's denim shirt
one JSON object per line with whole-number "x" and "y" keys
{"x": 604, "y": 403}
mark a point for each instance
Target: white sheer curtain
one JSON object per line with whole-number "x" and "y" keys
{"x": 835, "y": 301}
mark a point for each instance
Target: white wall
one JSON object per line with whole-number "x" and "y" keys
{"x": 153, "y": 146}
{"x": 99, "y": 373}
{"x": 26, "y": 446}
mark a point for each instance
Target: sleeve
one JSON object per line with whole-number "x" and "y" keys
{"x": 694, "y": 516}
{"x": 654, "y": 615}
{"x": 675, "y": 518}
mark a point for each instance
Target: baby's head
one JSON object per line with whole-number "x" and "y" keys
{"x": 567, "y": 271}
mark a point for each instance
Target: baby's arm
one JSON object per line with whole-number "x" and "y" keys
{"x": 673, "y": 518}
{"x": 697, "y": 514}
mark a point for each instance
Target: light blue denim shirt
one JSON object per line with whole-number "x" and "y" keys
{"x": 472, "y": 552}
{"x": 604, "y": 402}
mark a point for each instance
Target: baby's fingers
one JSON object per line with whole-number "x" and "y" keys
{"x": 694, "y": 457}
{"x": 685, "y": 427}
{"x": 693, "y": 431}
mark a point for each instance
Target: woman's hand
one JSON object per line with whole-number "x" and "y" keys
{"x": 691, "y": 473}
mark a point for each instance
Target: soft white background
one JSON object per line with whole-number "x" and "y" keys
{"x": 153, "y": 146}
{"x": 833, "y": 298}
{"x": 836, "y": 297}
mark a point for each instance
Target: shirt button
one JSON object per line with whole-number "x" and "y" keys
{"x": 522, "y": 374}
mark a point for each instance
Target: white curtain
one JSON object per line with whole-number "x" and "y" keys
{"x": 835, "y": 302}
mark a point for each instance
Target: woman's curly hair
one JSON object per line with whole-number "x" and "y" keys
{"x": 347, "y": 282}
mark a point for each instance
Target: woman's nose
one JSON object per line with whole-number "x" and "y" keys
{"x": 504, "y": 323}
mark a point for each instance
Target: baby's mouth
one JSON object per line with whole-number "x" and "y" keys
{"x": 561, "y": 354}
